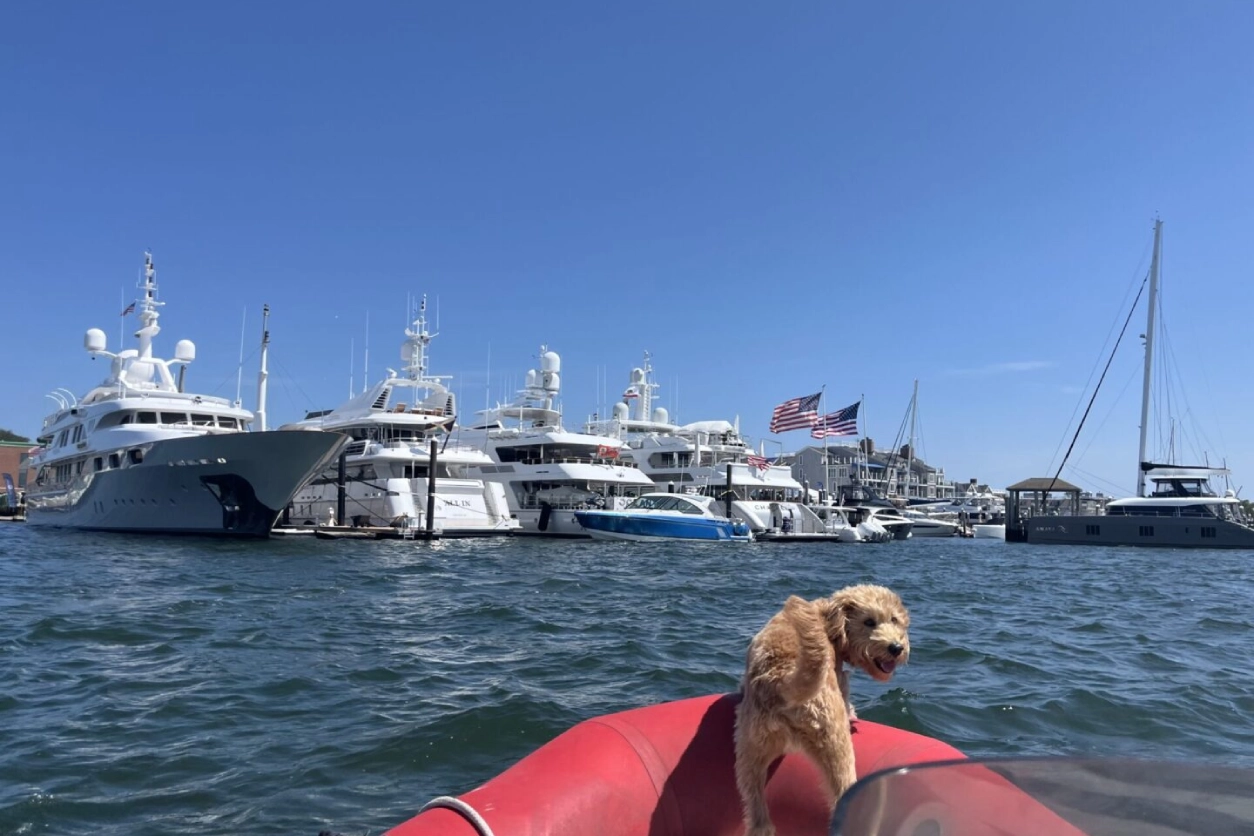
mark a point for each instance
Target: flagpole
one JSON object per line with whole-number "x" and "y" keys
{"x": 827, "y": 465}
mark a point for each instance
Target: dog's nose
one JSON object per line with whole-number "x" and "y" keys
{"x": 895, "y": 649}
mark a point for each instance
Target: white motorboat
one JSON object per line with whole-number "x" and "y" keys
{"x": 388, "y": 473}
{"x": 140, "y": 453}
{"x": 927, "y": 525}
{"x": 547, "y": 470}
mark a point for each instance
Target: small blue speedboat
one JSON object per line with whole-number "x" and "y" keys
{"x": 664, "y": 516}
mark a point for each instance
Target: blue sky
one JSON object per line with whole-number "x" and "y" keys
{"x": 770, "y": 198}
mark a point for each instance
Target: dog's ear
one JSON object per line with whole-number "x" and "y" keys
{"x": 835, "y": 610}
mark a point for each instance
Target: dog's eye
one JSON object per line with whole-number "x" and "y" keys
{"x": 870, "y": 622}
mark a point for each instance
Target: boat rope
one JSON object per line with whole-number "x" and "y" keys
{"x": 469, "y": 813}
{"x": 1098, "y": 387}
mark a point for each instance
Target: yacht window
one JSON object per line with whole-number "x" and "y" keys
{"x": 174, "y": 418}
{"x": 97, "y": 464}
{"x": 78, "y": 468}
{"x": 228, "y": 423}
{"x": 147, "y": 417}
{"x": 78, "y": 434}
{"x": 136, "y": 456}
{"x": 128, "y": 418}
{"x": 202, "y": 420}
{"x": 62, "y": 438}
{"x": 115, "y": 460}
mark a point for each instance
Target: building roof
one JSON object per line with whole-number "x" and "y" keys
{"x": 1044, "y": 483}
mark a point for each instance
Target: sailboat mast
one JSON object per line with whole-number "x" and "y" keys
{"x": 1149, "y": 356}
{"x": 914, "y": 406}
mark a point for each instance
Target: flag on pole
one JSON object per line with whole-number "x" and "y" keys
{"x": 760, "y": 462}
{"x": 796, "y": 414}
{"x": 844, "y": 422}
{"x": 629, "y": 394}
{"x": 129, "y": 309}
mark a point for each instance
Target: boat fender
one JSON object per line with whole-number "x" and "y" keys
{"x": 467, "y": 812}
{"x": 546, "y": 511}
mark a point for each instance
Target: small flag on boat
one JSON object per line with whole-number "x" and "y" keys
{"x": 796, "y": 414}
{"x": 607, "y": 451}
{"x": 629, "y": 394}
{"x": 760, "y": 462}
{"x": 844, "y": 422}
{"x": 129, "y": 308}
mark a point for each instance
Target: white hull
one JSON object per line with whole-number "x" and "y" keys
{"x": 463, "y": 507}
{"x": 233, "y": 484}
{"x": 989, "y": 532}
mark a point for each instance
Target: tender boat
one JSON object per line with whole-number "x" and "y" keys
{"x": 140, "y": 453}
{"x": 668, "y": 770}
{"x": 664, "y": 516}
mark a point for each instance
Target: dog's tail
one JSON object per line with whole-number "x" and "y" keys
{"x": 815, "y": 655}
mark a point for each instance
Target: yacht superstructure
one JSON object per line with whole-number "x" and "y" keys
{"x": 386, "y": 474}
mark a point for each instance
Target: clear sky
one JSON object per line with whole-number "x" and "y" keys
{"x": 770, "y": 198}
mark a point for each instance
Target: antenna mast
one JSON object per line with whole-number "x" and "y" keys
{"x": 264, "y": 374}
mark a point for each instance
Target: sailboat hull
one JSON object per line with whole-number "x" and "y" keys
{"x": 1168, "y": 532}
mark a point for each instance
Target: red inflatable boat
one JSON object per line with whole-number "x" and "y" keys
{"x": 662, "y": 770}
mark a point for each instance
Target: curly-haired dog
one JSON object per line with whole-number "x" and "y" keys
{"x": 796, "y": 688}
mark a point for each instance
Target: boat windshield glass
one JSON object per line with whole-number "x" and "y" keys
{"x": 1051, "y": 797}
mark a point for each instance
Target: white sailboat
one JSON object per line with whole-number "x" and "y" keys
{"x": 140, "y": 453}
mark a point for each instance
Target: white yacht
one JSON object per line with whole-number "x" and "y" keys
{"x": 388, "y": 467}
{"x": 547, "y": 470}
{"x": 139, "y": 453}
{"x": 702, "y": 457}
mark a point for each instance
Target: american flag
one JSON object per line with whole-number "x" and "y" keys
{"x": 796, "y": 414}
{"x": 129, "y": 308}
{"x": 844, "y": 422}
{"x": 760, "y": 462}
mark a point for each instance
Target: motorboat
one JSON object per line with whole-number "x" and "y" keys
{"x": 141, "y": 453}
{"x": 927, "y": 525}
{"x": 399, "y": 468}
{"x": 664, "y": 516}
{"x": 670, "y": 769}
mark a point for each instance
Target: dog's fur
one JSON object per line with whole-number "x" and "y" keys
{"x": 795, "y": 692}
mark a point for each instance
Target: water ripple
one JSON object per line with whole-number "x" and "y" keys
{"x": 196, "y": 687}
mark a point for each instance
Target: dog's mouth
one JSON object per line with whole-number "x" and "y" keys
{"x": 886, "y": 666}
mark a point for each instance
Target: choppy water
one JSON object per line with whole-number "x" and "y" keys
{"x": 153, "y": 686}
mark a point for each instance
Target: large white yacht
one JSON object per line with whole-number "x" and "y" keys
{"x": 701, "y": 457}
{"x": 387, "y": 467}
{"x": 547, "y": 470}
{"x": 139, "y": 453}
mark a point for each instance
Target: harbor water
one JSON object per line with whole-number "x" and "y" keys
{"x": 188, "y": 686}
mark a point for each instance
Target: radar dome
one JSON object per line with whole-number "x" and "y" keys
{"x": 661, "y": 416}
{"x": 620, "y": 411}
{"x": 550, "y": 362}
{"x": 552, "y": 381}
{"x": 185, "y": 350}
{"x": 637, "y": 375}
{"x": 531, "y": 378}
{"x": 94, "y": 340}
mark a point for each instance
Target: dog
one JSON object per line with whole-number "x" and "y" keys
{"x": 795, "y": 691}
